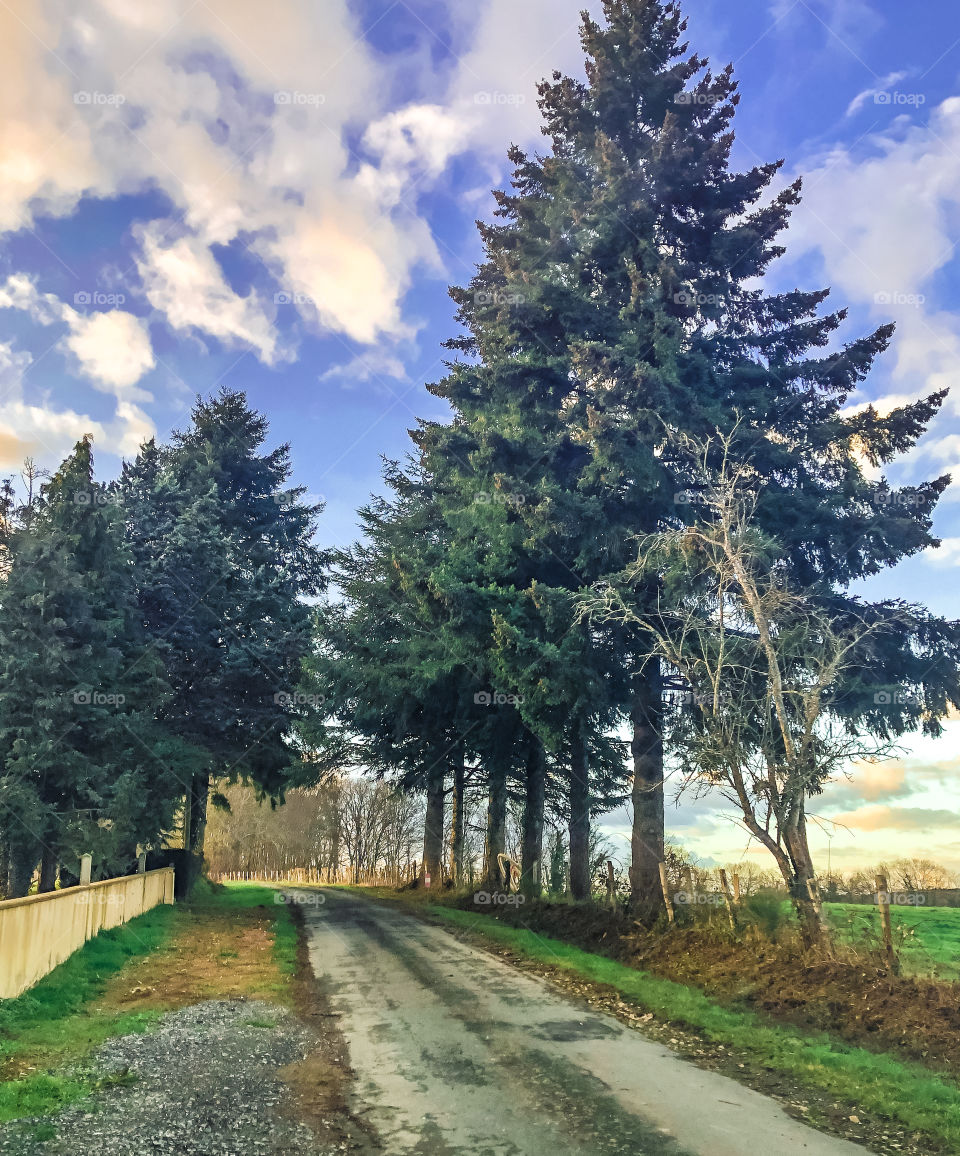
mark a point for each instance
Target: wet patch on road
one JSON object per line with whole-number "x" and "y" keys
{"x": 566, "y": 1031}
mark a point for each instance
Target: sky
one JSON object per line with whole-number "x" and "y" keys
{"x": 275, "y": 197}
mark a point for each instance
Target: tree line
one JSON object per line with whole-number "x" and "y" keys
{"x": 632, "y": 546}
{"x": 629, "y": 553}
{"x": 152, "y": 632}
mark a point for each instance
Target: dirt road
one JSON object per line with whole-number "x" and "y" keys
{"x": 456, "y": 1052}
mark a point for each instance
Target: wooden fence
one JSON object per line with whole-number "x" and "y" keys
{"x": 40, "y": 931}
{"x": 318, "y": 875}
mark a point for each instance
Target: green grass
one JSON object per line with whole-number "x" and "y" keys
{"x": 54, "y": 1017}
{"x": 907, "y": 1093}
{"x": 927, "y": 938}
{"x": 254, "y": 895}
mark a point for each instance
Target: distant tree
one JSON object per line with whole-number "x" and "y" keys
{"x": 920, "y": 874}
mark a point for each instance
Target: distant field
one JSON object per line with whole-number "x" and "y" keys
{"x": 928, "y": 938}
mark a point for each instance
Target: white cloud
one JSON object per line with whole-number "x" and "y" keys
{"x": 244, "y": 119}
{"x": 947, "y": 554}
{"x": 882, "y": 216}
{"x": 372, "y": 365}
{"x": 113, "y": 349}
{"x": 881, "y": 89}
{"x": 183, "y": 281}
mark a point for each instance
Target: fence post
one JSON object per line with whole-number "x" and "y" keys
{"x": 665, "y": 887}
{"x": 728, "y": 897}
{"x": 883, "y": 902}
{"x": 691, "y": 888}
{"x": 141, "y": 863}
{"x": 611, "y": 885}
{"x": 86, "y": 869}
{"x": 736, "y": 888}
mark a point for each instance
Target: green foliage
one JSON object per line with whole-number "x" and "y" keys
{"x": 768, "y": 911}
{"x": 224, "y": 562}
{"x": 79, "y": 688}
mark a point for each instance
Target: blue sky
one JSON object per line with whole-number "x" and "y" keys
{"x": 276, "y": 196}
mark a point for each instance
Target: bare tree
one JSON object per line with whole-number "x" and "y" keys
{"x": 920, "y": 875}
{"x": 758, "y": 665}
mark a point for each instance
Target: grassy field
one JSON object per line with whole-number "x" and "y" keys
{"x": 223, "y": 942}
{"x": 927, "y": 938}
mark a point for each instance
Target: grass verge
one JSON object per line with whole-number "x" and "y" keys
{"x": 223, "y": 942}
{"x": 903, "y": 1092}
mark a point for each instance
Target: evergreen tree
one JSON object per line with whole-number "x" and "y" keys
{"x": 617, "y": 307}
{"x": 225, "y": 562}
{"x": 391, "y": 666}
{"x": 85, "y": 767}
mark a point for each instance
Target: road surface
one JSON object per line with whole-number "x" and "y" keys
{"x": 457, "y": 1052}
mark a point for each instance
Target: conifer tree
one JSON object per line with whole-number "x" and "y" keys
{"x": 84, "y": 762}
{"x": 617, "y": 305}
{"x": 225, "y": 562}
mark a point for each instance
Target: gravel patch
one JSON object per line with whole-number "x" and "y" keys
{"x": 205, "y": 1082}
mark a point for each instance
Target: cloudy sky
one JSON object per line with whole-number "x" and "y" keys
{"x": 275, "y": 196}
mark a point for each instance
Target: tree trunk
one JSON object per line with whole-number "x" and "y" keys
{"x": 496, "y": 842}
{"x": 646, "y": 897}
{"x": 803, "y": 887}
{"x": 457, "y": 816}
{"x": 23, "y": 863}
{"x": 532, "y": 847}
{"x": 433, "y": 827}
{"x": 579, "y": 826}
{"x": 197, "y": 820}
{"x": 48, "y": 871}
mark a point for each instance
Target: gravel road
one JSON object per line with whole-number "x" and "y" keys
{"x": 456, "y": 1052}
{"x": 206, "y": 1083}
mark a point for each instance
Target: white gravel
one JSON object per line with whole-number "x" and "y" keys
{"x": 206, "y": 1083}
